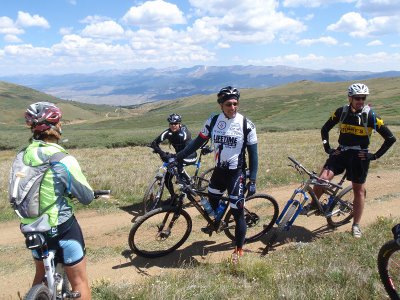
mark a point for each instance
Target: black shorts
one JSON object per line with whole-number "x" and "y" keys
{"x": 356, "y": 169}
{"x": 69, "y": 245}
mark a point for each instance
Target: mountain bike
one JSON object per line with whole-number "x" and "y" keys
{"x": 153, "y": 196}
{"x": 165, "y": 229}
{"x": 389, "y": 264}
{"x": 336, "y": 203}
{"x": 55, "y": 285}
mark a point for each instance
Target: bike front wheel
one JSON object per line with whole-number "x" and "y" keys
{"x": 202, "y": 181}
{"x": 38, "y": 292}
{"x": 153, "y": 196}
{"x": 341, "y": 211}
{"x": 160, "y": 232}
{"x": 389, "y": 267}
{"x": 260, "y": 213}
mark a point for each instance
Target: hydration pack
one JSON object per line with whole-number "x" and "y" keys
{"x": 364, "y": 117}
{"x": 25, "y": 182}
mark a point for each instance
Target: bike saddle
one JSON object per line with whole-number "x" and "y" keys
{"x": 40, "y": 225}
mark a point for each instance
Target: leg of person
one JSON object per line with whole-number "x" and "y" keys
{"x": 39, "y": 274}
{"x": 72, "y": 246}
{"x": 358, "y": 207}
{"x": 357, "y": 173}
{"x": 77, "y": 276}
{"x": 237, "y": 201}
{"x": 168, "y": 183}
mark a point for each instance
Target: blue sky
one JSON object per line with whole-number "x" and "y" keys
{"x": 65, "y": 36}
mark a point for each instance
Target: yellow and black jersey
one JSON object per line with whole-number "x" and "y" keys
{"x": 356, "y": 128}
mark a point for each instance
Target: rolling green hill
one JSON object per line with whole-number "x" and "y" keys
{"x": 296, "y": 106}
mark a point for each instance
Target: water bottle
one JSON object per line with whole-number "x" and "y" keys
{"x": 207, "y": 207}
{"x": 220, "y": 210}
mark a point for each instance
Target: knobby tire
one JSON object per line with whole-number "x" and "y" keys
{"x": 261, "y": 206}
{"x": 147, "y": 239}
{"x": 38, "y": 292}
{"x": 150, "y": 200}
{"x": 343, "y": 203}
{"x": 389, "y": 268}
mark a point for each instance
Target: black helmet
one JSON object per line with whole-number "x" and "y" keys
{"x": 174, "y": 118}
{"x": 227, "y": 93}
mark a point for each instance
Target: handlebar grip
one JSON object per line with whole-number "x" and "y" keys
{"x": 101, "y": 192}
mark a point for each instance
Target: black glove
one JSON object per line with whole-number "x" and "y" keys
{"x": 205, "y": 150}
{"x": 251, "y": 188}
{"x": 371, "y": 156}
{"x": 164, "y": 156}
{"x": 171, "y": 160}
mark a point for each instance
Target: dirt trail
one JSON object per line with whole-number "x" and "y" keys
{"x": 106, "y": 235}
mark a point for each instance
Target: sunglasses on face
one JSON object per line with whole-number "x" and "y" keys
{"x": 231, "y": 104}
{"x": 173, "y": 123}
{"x": 360, "y": 98}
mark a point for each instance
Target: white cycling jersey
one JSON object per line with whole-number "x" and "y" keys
{"x": 228, "y": 138}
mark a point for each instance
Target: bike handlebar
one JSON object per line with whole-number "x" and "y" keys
{"x": 313, "y": 175}
{"x": 98, "y": 193}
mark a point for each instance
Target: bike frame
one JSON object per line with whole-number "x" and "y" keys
{"x": 297, "y": 206}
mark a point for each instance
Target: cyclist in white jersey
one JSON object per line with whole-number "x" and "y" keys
{"x": 232, "y": 134}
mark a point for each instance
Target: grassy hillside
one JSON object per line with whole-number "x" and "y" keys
{"x": 297, "y": 106}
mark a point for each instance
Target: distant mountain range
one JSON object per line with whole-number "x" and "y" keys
{"x": 132, "y": 87}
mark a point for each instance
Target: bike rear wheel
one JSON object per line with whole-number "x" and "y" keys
{"x": 160, "y": 232}
{"x": 260, "y": 212}
{"x": 342, "y": 208}
{"x": 38, "y": 292}
{"x": 389, "y": 268}
{"x": 153, "y": 197}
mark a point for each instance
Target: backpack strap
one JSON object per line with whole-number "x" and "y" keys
{"x": 345, "y": 112}
{"x": 212, "y": 124}
{"x": 55, "y": 160}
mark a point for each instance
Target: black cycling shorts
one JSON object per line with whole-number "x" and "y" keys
{"x": 357, "y": 169}
{"x": 69, "y": 245}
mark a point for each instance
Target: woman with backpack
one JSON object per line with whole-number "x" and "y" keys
{"x": 57, "y": 178}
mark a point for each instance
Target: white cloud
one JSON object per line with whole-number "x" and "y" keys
{"x": 322, "y": 40}
{"x": 357, "y": 26}
{"x": 27, "y": 20}
{"x": 65, "y": 30}
{"x": 11, "y": 38}
{"x": 382, "y": 61}
{"x": 375, "y": 43}
{"x": 223, "y": 45}
{"x": 312, "y": 3}
{"x": 379, "y": 7}
{"x": 248, "y": 21}
{"x": 7, "y": 26}
{"x": 27, "y": 51}
{"x": 106, "y": 29}
{"x": 157, "y": 13}
{"x": 94, "y": 19}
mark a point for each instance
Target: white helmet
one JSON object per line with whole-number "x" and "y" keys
{"x": 358, "y": 89}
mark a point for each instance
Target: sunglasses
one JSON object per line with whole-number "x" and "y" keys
{"x": 173, "y": 123}
{"x": 231, "y": 104}
{"x": 360, "y": 98}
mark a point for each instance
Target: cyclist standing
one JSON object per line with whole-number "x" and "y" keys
{"x": 356, "y": 122}
{"x": 178, "y": 136}
{"x": 231, "y": 135}
{"x": 59, "y": 182}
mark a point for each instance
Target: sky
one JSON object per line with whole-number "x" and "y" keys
{"x": 70, "y": 36}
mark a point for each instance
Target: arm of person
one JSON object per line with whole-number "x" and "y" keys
{"x": 191, "y": 147}
{"x": 74, "y": 180}
{"x": 389, "y": 139}
{"x": 252, "y": 150}
{"x": 332, "y": 121}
